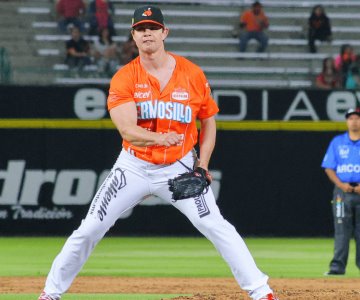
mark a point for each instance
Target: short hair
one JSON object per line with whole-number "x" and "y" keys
{"x": 256, "y": 3}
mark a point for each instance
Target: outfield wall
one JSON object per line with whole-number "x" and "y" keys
{"x": 57, "y": 145}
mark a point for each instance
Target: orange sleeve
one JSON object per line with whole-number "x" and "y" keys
{"x": 121, "y": 87}
{"x": 208, "y": 106}
{"x": 244, "y": 17}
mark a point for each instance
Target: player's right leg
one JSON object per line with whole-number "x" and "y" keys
{"x": 123, "y": 189}
{"x": 357, "y": 231}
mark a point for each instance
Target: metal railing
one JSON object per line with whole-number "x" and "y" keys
{"x": 5, "y": 67}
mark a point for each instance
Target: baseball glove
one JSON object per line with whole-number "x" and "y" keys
{"x": 190, "y": 184}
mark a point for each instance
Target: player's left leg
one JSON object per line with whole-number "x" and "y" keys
{"x": 206, "y": 217}
{"x": 357, "y": 230}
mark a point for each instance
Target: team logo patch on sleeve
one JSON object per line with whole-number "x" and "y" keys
{"x": 113, "y": 97}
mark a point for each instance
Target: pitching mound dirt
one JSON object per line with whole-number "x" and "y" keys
{"x": 200, "y": 288}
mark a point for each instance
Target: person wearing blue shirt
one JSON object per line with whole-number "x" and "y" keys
{"x": 342, "y": 166}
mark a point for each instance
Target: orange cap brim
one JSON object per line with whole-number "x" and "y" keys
{"x": 147, "y": 21}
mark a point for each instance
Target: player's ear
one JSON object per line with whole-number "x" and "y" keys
{"x": 165, "y": 33}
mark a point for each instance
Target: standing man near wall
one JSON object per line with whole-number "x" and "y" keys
{"x": 342, "y": 166}
{"x": 154, "y": 102}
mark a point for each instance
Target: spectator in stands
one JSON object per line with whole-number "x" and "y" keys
{"x": 329, "y": 78}
{"x": 101, "y": 16}
{"x": 353, "y": 75}
{"x": 344, "y": 60}
{"x": 77, "y": 51}
{"x": 252, "y": 24}
{"x": 319, "y": 27}
{"x": 70, "y": 12}
{"x": 106, "y": 53}
{"x": 129, "y": 50}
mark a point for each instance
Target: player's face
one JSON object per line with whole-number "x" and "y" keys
{"x": 149, "y": 37}
{"x": 353, "y": 123}
{"x": 256, "y": 9}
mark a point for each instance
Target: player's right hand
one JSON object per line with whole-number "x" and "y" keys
{"x": 356, "y": 189}
{"x": 346, "y": 188}
{"x": 170, "y": 139}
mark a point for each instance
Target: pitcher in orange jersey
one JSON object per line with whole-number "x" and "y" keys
{"x": 154, "y": 101}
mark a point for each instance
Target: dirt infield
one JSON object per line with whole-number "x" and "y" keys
{"x": 201, "y": 288}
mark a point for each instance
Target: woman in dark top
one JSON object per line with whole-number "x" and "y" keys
{"x": 319, "y": 27}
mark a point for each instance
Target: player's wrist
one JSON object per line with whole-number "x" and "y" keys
{"x": 206, "y": 168}
{"x": 205, "y": 173}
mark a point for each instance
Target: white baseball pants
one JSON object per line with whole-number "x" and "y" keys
{"x": 130, "y": 180}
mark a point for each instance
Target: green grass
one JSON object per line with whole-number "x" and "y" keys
{"x": 169, "y": 257}
{"x": 172, "y": 257}
{"x": 298, "y": 258}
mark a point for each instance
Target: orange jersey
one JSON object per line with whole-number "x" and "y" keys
{"x": 254, "y": 22}
{"x": 186, "y": 97}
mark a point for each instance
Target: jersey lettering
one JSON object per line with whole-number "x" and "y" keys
{"x": 165, "y": 110}
{"x": 348, "y": 168}
{"x": 142, "y": 95}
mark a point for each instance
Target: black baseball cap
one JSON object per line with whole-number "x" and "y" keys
{"x": 148, "y": 14}
{"x": 352, "y": 111}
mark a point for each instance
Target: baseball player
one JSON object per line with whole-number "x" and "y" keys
{"x": 342, "y": 166}
{"x": 154, "y": 102}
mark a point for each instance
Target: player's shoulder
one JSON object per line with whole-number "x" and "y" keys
{"x": 341, "y": 138}
{"x": 246, "y": 12}
{"x": 187, "y": 66}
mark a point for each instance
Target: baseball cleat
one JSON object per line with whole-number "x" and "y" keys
{"x": 44, "y": 296}
{"x": 332, "y": 272}
{"x": 270, "y": 296}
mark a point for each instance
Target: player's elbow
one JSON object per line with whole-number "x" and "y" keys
{"x": 128, "y": 134}
{"x": 329, "y": 171}
{"x": 125, "y": 133}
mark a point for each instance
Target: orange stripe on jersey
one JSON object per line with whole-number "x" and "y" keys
{"x": 186, "y": 97}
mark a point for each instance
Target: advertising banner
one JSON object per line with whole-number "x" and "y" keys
{"x": 89, "y": 103}
{"x": 58, "y": 145}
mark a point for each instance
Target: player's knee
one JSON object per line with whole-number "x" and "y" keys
{"x": 203, "y": 223}
{"x": 213, "y": 225}
{"x": 89, "y": 232}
